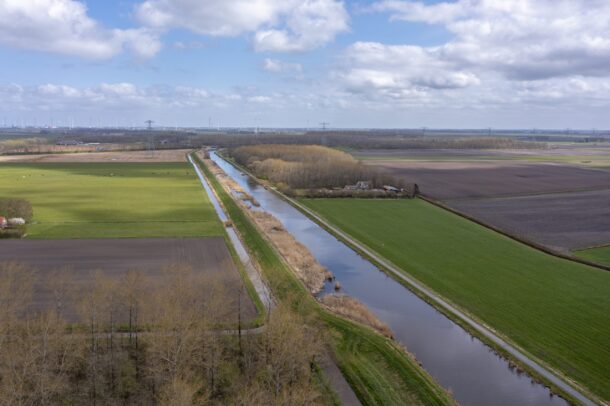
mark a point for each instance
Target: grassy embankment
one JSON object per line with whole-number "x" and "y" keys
{"x": 378, "y": 370}
{"x": 600, "y": 255}
{"x": 557, "y": 310}
{"x": 111, "y": 200}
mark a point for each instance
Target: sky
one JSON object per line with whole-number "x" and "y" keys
{"x": 288, "y": 63}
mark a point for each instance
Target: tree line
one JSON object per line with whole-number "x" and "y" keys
{"x": 370, "y": 139}
{"x": 140, "y": 340}
{"x": 309, "y": 167}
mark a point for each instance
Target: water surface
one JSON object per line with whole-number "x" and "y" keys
{"x": 460, "y": 362}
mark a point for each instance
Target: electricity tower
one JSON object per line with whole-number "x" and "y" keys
{"x": 151, "y": 138}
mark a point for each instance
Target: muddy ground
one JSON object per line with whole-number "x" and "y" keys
{"x": 551, "y": 150}
{"x": 164, "y": 155}
{"x": 563, "y": 221}
{"x": 561, "y": 206}
{"x": 465, "y": 180}
{"x": 80, "y": 259}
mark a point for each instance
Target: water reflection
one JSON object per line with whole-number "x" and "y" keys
{"x": 460, "y": 362}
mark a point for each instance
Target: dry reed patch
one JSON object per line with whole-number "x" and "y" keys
{"x": 353, "y": 309}
{"x": 306, "y": 266}
{"x": 226, "y": 181}
{"x": 308, "y": 269}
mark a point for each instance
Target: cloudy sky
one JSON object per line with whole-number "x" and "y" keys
{"x": 289, "y": 63}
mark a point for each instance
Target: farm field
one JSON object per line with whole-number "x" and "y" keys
{"x": 561, "y": 221}
{"x": 163, "y": 155}
{"x": 515, "y": 191}
{"x": 111, "y": 200}
{"x": 590, "y": 156}
{"x": 484, "y": 179}
{"x": 78, "y": 262}
{"x": 557, "y": 310}
{"x": 600, "y": 255}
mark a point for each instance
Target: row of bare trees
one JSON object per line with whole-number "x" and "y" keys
{"x": 309, "y": 166}
{"x": 143, "y": 340}
{"x": 375, "y": 139}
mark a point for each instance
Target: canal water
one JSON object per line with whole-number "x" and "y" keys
{"x": 459, "y": 362}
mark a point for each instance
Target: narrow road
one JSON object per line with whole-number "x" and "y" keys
{"x": 560, "y": 382}
{"x": 332, "y": 372}
{"x": 261, "y": 288}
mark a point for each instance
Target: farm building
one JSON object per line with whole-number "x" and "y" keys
{"x": 360, "y": 185}
{"x": 15, "y": 221}
{"x": 3, "y": 222}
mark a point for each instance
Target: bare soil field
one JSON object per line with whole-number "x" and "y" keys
{"x": 164, "y": 155}
{"x": 563, "y": 206}
{"x": 484, "y": 179}
{"x": 78, "y": 261}
{"x": 565, "y": 221}
{"x": 552, "y": 151}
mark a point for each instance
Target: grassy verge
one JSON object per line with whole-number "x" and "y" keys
{"x": 601, "y": 255}
{"x": 456, "y": 318}
{"x": 380, "y": 372}
{"x": 111, "y": 200}
{"x": 557, "y": 310}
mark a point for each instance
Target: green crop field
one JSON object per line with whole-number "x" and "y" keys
{"x": 600, "y": 255}
{"x": 556, "y": 309}
{"x": 91, "y": 200}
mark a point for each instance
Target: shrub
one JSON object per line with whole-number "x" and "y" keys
{"x": 16, "y": 208}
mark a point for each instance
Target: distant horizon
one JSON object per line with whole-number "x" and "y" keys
{"x": 484, "y": 130}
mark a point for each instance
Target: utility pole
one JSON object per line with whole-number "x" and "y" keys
{"x": 324, "y": 125}
{"x": 151, "y": 138}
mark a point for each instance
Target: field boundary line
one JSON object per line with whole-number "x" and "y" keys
{"x": 529, "y": 243}
{"x": 524, "y": 195}
{"x": 541, "y": 369}
{"x": 592, "y": 247}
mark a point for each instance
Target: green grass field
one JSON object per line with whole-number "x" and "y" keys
{"x": 378, "y": 370}
{"x": 556, "y": 309}
{"x": 600, "y": 255}
{"x": 104, "y": 200}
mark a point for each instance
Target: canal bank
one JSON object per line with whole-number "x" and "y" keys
{"x": 461, "y": 362}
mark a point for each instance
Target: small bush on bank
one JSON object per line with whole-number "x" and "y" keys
{"x": 16, "y": 208}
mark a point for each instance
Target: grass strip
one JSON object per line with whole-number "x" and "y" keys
{"x": 555, "y": 309}
{"x": 379, "y": 371}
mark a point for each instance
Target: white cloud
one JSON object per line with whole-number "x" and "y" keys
{"x": 501, "y": 54}
{"x": 524, "y": 39}
{"x": 400, "y": 67}
{"x": 277, "y": 25}
{"x": 310, "y": 24}
{"x": 63, "y": 26}
{"x": 119, "y": 98}
{"x": 277, "y": 66}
